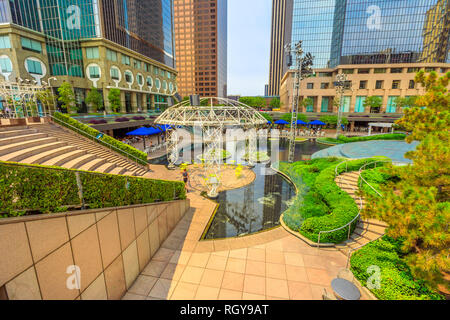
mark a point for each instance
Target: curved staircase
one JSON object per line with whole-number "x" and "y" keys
{"x": 49, "y": 144}
{"x": 366, "y": 230}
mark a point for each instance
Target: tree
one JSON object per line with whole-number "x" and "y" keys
{"x": 417, "y": 208}
{"x": 374, "y": 103}
{"x": 67, "y": 97}
{"x": 288, "y": 117}
{"x": 114, "y": 99}
{"x": 95, "y": 99}
{"x": 47, "y": 99}
{"x": 255, "y": 102}
{"x": 305, "y": 102}
{"x": 332, "y": 120}
{"x": 405, "y": 102}
{"x": 267, "y": 116}
{"x": 275, "y": 103}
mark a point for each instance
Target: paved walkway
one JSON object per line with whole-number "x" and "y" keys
{"x": 269, "y": 265}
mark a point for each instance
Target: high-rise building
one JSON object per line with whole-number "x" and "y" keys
{"x": 201, "y": 47}
{"x": 127, "y": 44}
{"x": 378, "y": 43}
{"x": 280, "y": 31}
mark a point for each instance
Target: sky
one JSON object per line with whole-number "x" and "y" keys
{"x": 249, "y": 23}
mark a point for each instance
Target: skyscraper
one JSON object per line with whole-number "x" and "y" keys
{"x": 201, "y": 47}
{"x": 126, "y": 44}
{"x": 281, "y": 17}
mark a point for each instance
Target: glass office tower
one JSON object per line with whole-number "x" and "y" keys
{"x": 372, "y": 32}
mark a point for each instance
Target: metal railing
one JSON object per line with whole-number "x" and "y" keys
{"x": 364, "y": 180}
{"x": 130, "y": 157}
{"x": 349, "y": 224}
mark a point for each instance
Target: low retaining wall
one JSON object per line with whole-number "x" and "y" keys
{"x": 40, "y": 255}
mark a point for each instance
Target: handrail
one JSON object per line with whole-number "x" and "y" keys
{"x": 336, "y": 174}
{"x": 349, "y": 224}
{"x": 84, "y": 133}
{"x": 364, "y": 180}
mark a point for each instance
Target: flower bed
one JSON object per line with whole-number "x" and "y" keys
{"x": 219, "y": 154}
{"x": 122, "y": 119}
{"x": 260, "y": 156}
{"x": 137, "y": 118}
{"x": 343, "y": 139}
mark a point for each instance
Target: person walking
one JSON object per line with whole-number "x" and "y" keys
{"x": 185, "y": 179}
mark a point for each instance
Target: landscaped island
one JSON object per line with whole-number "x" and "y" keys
{"x": 343, "y": 139}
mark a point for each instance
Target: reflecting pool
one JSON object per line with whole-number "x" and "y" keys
{"x": 257, "y": 206}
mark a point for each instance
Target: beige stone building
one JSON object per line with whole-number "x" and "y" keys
{"x": 387, "y": 81}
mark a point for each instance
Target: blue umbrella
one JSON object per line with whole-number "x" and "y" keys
{"x": 281, "y": 121}
{"x": 164, "y": 127}
{"x": 144, "y": 131}
{"x": 301, "y": 122}
{"x": 317, "y": 123}
{"x": 269, "y": 122}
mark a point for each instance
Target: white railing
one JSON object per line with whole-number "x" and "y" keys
{"x": 337, "y": 175}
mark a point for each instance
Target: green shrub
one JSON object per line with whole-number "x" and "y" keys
{"x": 43, "y": 189}
{"x": 396, "y": 281}
{"x": 376, "y": 177}
{"x": 123, "y": 148}
{"x": 343, "y": 139}
{"x": 321, "y": 205}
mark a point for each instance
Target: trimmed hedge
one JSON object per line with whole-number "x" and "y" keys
{"x": 43, "y": 189}
{"x": 121, "y": 147}
{"x": 376, "y": 178}
{"x": 343, "y": 139}
{"x": 397, "y": 283}
{"x": 341, "y": 208}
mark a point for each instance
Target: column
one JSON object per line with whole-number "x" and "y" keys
{"x": 134, "y": 101}
{"x": 144, "y": 102}
{"x": 123, "y": 108}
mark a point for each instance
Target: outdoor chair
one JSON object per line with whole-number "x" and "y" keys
{"x": 322, "y": 134}
{"x": 327, "y": 296}
{"x": 346, "y": 274}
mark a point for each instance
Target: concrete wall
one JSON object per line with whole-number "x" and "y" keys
{"x": 110, "y": 246}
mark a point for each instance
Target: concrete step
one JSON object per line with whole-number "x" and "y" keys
{"x": 79, "y": 161}
{"x": 10, "y": 148}
{"x": 22, "y": 138}
{"x": 93, "y": 164}
{"x": 16, "y": 133}
{"x": 60, "y": 160}
{"x": 367, "y": 234}
{"x": 44, "y": 156}
{"x": 106, "y": 167}
{"x": 375, "y": 222}
{"x": 21, "y": 155}
{"x": 13, "y": 128}
{"x": 118, "y": 170}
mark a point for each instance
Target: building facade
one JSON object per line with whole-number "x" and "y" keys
{"x": 201, "y": 47}
{"x": 128, "y": 45}
{"x": 386, "y": 81}
{"x": 367, "y": 37}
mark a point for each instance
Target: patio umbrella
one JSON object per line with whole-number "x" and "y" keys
{"x": 317, "y": 123}
{"x": 281, "y": 121}
{"x": 301, "y": 122}
{"x": 144, "y": 131}
{"x": 164, "y": 127}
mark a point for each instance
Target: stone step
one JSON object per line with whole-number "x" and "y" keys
{"x": 60, "y": 160}
{"x": 16, "y": 133}
{"x": 47, "y": 155}
{"x": 10, "y": 148}
{"x": 93, "y": 164}
{"x": 79, "y": 161}
{"x": 13, "y": 128}
{"x": 118, "y": 170}
{"x": 375, "y": 222}
{"x": 20, "y": 155}
{"x": 366, "y": 233}
{"x": 22, "y": 138}
{"x": 106, "y": 167}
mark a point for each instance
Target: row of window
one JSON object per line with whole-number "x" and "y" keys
{"x": 94, "y": 73}
{"x": 391, "y": 106}
{"x": 33, "y": 66}
{"x": 111, "y": 55}
{"x": 379, "y": 84}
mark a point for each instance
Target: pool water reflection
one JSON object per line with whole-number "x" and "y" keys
{"x": 257, "y": 206}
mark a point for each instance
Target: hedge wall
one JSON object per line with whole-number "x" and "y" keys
{"x": 396, "y": 281}
{"x": 122, "y": 148}
{"x": 343, "y": 139}
{"x": 28, "y": 189}
{"x": 341, "y": 207}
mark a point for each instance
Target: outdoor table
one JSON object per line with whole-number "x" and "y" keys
{"x": 345, "y": 289}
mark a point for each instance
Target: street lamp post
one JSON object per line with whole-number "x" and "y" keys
{"x": 303, "y": 69}
{"x": 341, "y": 85}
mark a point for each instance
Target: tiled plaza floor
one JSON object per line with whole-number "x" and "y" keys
{"x": 269, "y": 265}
